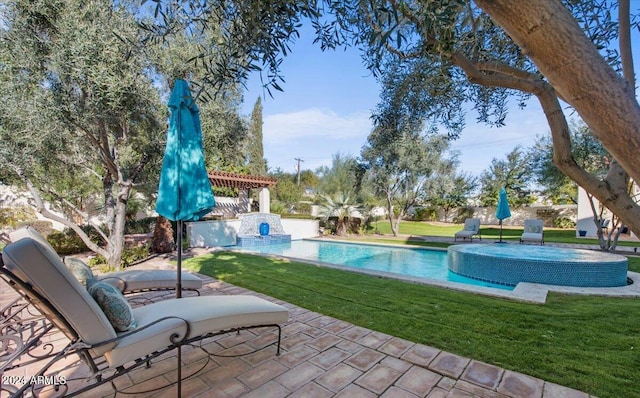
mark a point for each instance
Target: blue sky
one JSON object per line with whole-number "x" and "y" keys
{"x": 326, "y": 105}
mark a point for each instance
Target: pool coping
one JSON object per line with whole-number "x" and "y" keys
{"x": 524, "y": 291}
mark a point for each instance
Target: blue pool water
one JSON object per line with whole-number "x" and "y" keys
{"x": 421, "y": 263}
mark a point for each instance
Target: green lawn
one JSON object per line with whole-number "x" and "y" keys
{"x": 588, "y": 343}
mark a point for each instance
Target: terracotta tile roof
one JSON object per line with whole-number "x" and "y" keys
{"x": 224, "y": 179}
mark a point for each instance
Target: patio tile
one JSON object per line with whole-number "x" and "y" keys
{"x": 438, "y": 393}
{"x": 349, "y": 346}
{"x": 324, "y": 342}
{"x": 374, "y": 339}
{"x": 262, "y": 373}
{"x": 482, "y": 374}
{"x": 397, "y": 364}
{"x": 329, "y": 358}
{"x": 225, "y": 372}
{"x": 420, "y": 354}
{"x": 230, "y": 388}
{"x": 354, "y": 391}
{"x": 312, "y": 390}
{"x": 365, "y": 359}
{"x": 338, "y": 377}
{"x": 552, "y": 390}
{"x": 305, "y": 317}
{"x": 395, "y": 392}
{"x": 190, "y": 388}
{"x": 299, "y": 376}
{"x": 297, "y": 355}
{"x": 446, "y": 383}
{"x": 337, "y": 327}
{"x": 294, "y": 340}
{"x": 466, "y": 389}
{"x": 314, "y": 332}
{"x": 354, "y": 333}
{"x": 519, "y": 385}
{"x": 321, "y": 322}
{"x": 378, "y": 379}
{"x": 396, "y": 347}
{"x": 418, "y": 381}
{"x": 449, "y": 364}
{"x": 268, "y": 390}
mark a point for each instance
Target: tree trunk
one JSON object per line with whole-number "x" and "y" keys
{"x": 392, "y": 222}
{"x": 546, "y": 31}
{"x": 162, "y": 241}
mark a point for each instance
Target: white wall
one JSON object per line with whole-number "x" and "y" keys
{"x": 225, "y": 232}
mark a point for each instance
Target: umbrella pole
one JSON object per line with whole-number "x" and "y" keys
{"x": 179, "y": 295}
{"x": 179, "y": 277}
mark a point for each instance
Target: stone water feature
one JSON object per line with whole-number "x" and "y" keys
{"x": 252, "y": 234}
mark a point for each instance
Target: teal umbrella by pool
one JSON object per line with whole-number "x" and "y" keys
{"x": 184, "y": 192}
{"x": 502, "y": 210}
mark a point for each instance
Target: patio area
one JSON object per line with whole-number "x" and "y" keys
{"x": 321, "y": 357}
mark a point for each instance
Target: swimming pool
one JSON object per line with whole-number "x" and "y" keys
{"x": 413, "y": 262}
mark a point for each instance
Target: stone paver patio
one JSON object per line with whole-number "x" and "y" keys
{"x": 321, "y": 357}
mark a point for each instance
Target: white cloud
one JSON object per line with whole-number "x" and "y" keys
{"x": 314, "y": 122}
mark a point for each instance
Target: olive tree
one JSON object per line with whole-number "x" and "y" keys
{"x": 80, "y": 123}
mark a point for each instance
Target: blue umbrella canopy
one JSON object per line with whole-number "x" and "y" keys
{"x": 502, "y": 211}
{"x": 184, "y": 192}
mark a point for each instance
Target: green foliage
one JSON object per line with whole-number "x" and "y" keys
{"x": 340, "y": 211}
{"x": 12, "y": 216}
{"x": 257, "y": 163}
{"x": 564, "y": 222}
{"x": 425, "y": 214}
{"x": 287, "y": 191}
{"x": 588, "y": 153}
{"x": 45, "y": 228}
{"x": 130, "y": 256}
{"x": 512, "y": 174}
{"x": 340, "y": 177}
{"x": 67, "y": 243}
{"x": 141, "y": 226}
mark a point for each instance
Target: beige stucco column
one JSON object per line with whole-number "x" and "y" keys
{"x": 265, "y": 200}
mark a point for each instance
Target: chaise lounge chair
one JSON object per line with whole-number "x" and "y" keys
{"x": 533, "y": 232}
{"x": 471, "y": 228}
{"x": 128, "y": 281}
{"x": 109, "y": 336}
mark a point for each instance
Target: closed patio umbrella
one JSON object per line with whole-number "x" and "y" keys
{"x": 184, "y": 192}
{"x": 502, "y": 210}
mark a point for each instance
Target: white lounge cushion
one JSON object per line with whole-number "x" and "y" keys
{"x": 127, "y": 280}
{"x": 38, "y": 264}
{"x": 133, "y": 280}
{"x": 465, "y": 234}
{"x": 530, "y": 236}
{"x": 204, "y": 314}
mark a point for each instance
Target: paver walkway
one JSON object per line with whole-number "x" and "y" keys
{"x": 321, "y": 357}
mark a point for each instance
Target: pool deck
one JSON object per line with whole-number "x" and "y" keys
{"x": 322, "y": 357}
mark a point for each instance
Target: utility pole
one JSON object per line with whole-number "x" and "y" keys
{"x": 298, "y": 173}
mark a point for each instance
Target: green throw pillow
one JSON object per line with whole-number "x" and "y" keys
{"x": 80, "y": 270}
{"x": 114, "y": 306}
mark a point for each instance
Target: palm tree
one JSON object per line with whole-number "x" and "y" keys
{"x": 339, "y": 206}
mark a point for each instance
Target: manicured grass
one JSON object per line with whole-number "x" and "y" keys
{"x": 588, "y": 343}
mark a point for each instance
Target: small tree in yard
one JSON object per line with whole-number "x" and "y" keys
{"x": 341, "y": 207}
{"x": 80, "y": 120}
